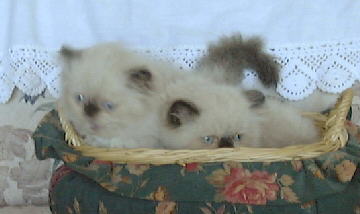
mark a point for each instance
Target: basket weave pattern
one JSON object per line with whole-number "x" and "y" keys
{"x": 332, "y": 125}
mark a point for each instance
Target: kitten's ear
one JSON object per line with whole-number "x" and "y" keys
{"x": 181, "y": 112}
{"x": 141, "y": 78}
{"x": 255, "y": 97}
{"x": 69, "y": 53}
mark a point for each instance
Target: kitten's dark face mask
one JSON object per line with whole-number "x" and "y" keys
{"x": 91, "y": 108}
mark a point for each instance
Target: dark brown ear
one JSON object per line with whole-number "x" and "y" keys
{"x": 255, "y": 97}
{"x": 181, "y": 112}
{"x": 141, "y": 78}
{"x": 69, "y": 53}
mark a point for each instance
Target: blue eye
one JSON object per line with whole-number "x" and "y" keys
{"x": 109, "y": 106}
{"x": 208, "y": 140}
{"x": 237, "y": 137}
{"x": 80, "y": 98}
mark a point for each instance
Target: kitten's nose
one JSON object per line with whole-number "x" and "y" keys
{"x": 226, "y": 142}
{"x": 91, "y": 109}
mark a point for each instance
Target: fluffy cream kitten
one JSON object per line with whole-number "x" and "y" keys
{"x": 110, "y": 95}
{"x": 201, "y": 115}
{"x": 227, "y": 58}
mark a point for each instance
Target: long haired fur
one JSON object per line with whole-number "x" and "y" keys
{"x": 197, "y": 111}
{"x": 233, "y": 54}
{"x": 201, "y": 115}
{"x": 283, "y": 125}
{"x": 111, "y": 95}
{"x": 115, "y": 98}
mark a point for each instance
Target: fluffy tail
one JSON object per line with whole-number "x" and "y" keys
{"x": 234, "y": 54}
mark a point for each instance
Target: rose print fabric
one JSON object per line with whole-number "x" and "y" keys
{"x": 243, "y": 186}
{"x": 327, "y": 184}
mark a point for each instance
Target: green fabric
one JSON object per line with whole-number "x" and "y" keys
{"x": 327, "y": 184}
{"x": 89, "y": 195}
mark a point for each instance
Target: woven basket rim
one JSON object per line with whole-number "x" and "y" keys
{"x": 334, "y": 138}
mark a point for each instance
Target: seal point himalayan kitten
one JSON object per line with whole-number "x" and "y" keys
{"x": 109, "y": 94}
{"x": 198, "y": 114}
{"x": 203, "y": 116}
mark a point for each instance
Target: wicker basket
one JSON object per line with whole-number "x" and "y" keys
{"x": 332, "y": 125}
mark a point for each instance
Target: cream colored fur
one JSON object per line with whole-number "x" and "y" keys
{"x": 283, "y": 125}
{"x": 139, "y": 118}
{"x": 100, "y": 73}
{"x": 223, "y": 111}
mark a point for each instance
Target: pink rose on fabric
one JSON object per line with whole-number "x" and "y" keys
{"x": 242, "y": 186}
{"x": 193, "y": 167}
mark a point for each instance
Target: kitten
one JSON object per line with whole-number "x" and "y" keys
{"x": 227, "y": 59}
{"x": 201, "y": 115}
{"x": 110, "y": 95}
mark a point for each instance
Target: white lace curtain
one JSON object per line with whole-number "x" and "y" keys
{"x": 317, "y": 43}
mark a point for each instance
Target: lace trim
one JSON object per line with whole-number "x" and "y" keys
{"x": 329, "y": 66}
